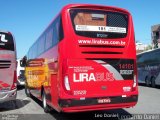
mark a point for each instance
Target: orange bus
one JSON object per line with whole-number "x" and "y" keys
{"x": 84, "y": 60}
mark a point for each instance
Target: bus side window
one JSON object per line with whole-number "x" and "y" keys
{"x": 55, "y": 36}
{"x": 49, "y": 38}
{"x": 41, "y": 44}
{"x": 57, "y": 30}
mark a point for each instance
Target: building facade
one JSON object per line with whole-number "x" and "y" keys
{"x": 140, "y": 47}
{"x": 155, "y": 34}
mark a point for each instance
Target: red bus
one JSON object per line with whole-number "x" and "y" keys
{"x": 84, "y": 60}
{"x": 8, "y": 79}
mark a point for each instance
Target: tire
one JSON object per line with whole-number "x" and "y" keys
{"x": 27, "y": 91}
{"x": 153, "y": 83}
{"x": 147, "y": 81}
{"x": 45, "y": 106}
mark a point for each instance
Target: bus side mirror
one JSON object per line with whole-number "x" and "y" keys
{"x": 22, "y": 63}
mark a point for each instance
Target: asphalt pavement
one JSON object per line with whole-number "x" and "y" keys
{"x": 26, "y": 108}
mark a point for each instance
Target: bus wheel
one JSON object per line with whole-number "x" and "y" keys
{"x": 45, "y": 106}
{"x": 153, "y": 84}
{"x": 147, "y": 81}
{"x": 27, "y": 91}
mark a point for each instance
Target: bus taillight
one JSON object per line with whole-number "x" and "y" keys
{"x": 134, "y": 83}
{"x": 14, "y": 86}
{"x": 66, "y": 83}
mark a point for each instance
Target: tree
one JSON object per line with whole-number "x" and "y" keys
{"x": 149, "y": 47}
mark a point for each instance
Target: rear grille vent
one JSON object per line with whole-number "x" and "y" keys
{"x": 101, "y": 46}
{"x": 99, "y": 52}
{"x": 5, "y": 64}
{"x": 101, "y": 49}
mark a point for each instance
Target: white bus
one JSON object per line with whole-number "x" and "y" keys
{"x": 8, "y": 77}
{"x": 20, "y": 74}
{"x": 149, "y": 67}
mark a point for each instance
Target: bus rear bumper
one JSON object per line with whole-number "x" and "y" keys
{"x": 91, "y": 104}
{"x": 97, "y": 107}
{"x": 8, "y": 96}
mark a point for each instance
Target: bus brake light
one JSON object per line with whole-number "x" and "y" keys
{"x": 134, "y": 83}
{"x": 66, "y": 82}
{"x": 14, "y": 81}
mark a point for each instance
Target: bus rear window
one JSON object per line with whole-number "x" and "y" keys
{"x": 6, "y": 41}
{"x": 99, "y": 24}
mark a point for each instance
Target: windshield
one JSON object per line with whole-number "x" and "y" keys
{"x": 6, "y": 41}
{"x": 99, "y": 24}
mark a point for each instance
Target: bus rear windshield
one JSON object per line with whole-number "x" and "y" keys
{"x": 99, "y": 24}
{"x": 6, "y": 41}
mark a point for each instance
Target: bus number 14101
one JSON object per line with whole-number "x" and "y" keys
{"x": 126, "y": 66}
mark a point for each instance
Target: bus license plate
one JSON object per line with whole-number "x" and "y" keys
{"x": 104, "y": 100}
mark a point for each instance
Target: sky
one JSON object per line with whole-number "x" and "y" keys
{"x": 27, "y": 19}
